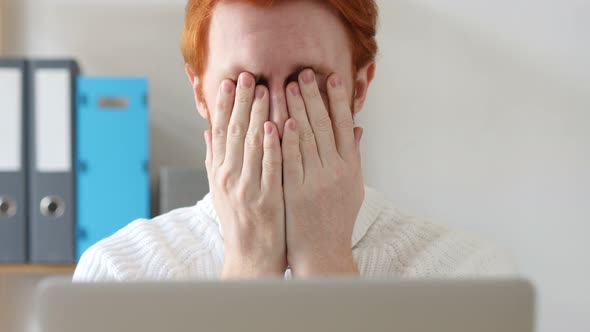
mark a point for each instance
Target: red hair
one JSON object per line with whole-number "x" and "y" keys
{"x": 359, "y": 17}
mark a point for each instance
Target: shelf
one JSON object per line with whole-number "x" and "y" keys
{"x": 34, "y": 268}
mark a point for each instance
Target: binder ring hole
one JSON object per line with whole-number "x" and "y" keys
{"x": 7, "y": 206}
{"x": 52, "y": 206}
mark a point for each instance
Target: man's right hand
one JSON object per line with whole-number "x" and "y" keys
{"x": 244, "y": 167}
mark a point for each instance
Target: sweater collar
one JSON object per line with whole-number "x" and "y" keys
{"x": 367, "y": 215}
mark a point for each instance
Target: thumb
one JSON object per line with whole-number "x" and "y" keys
{"x": 358, "y": 134}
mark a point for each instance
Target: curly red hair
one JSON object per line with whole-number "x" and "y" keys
{"x": 359, "y": 16}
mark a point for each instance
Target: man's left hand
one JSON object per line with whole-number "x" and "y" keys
{"x": 322, "y": 175}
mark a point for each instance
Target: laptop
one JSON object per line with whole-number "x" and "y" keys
{"x": 343, "y": 305}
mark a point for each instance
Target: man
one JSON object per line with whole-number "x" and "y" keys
{"x": 280, "y": 83}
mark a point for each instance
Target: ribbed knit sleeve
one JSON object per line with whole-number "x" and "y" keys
{"x": 94, "y": 266}
{"x": 175, "y": 246}
{"x": 397, "y": 245}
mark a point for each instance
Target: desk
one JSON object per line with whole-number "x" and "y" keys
{"x": 17, "y": 287}
{"x": 1, "y": 24}
{"x": 34, "y": 268}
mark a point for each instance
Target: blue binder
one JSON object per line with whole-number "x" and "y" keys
{"x": 112, "y": 153}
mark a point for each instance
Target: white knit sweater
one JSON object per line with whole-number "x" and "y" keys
{"x": 187, "y": 244}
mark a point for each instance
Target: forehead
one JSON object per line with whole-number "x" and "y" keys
{"x": 268, "y": 39}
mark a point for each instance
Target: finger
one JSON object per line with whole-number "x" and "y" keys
{"x": 239, "y": 123}
{"x": 292, "y": 161}
{"x": 254, "y": 139}
{"x": 341, "y": 115}
{"x": 208, "y": 150}
{"x": 209, "y": 156}
{"x": 272, "y": 161}
{"x": 358, "y": 135}
{"x": 307, "y": 141}
{"x": 318, "y": 115}
{"x": 224, "y": 104}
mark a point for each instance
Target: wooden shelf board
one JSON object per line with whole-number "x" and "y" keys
{"x": 34, "y": 268}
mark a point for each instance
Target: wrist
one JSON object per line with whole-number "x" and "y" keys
{"x": 248, "y": 267}
{"x": 341, "y": 263}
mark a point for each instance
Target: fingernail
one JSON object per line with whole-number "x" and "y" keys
{"x": 260, "y": 92}
{"x": 227, "y": 87}
{"x": 335, "y": 81}
{"x": 268, "y": 128}
{"x": 246, "y": 80}
{"x": 294, "y": 89}
{"x": 308, "y": 76}
{"x": 292, "y": 124}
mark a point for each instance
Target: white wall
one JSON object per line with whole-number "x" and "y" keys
{"x": 484, "y": 107}
{"x": 130, "y": 37}
{"x": 479, "y": 116}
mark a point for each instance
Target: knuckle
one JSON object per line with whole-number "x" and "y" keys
{"x": 307, "y": 136}
{"x": 346, "y": 123}
{"x": 218, "y": 132}
{"x": 324, "y": 123}
{"x": 291, "y": 140}
{"x": 271, "y": 165}
{"x": 243, "y": 99}
{"x": 224, "y": 180}
{"x": 254, "y": 140}
{"x": 247, "y": 180}
{"x": 299, "y": 109}
{"x": 237, "y": 130}
{"x": 242, "y": 193}
{"x": 259, "y": 110}
{"x": 296, "y": 158}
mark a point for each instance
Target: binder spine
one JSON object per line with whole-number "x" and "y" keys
{"x": 51, "y": 158}
{"x": 13, "y": 161}
{"x": 112, "y": 137}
